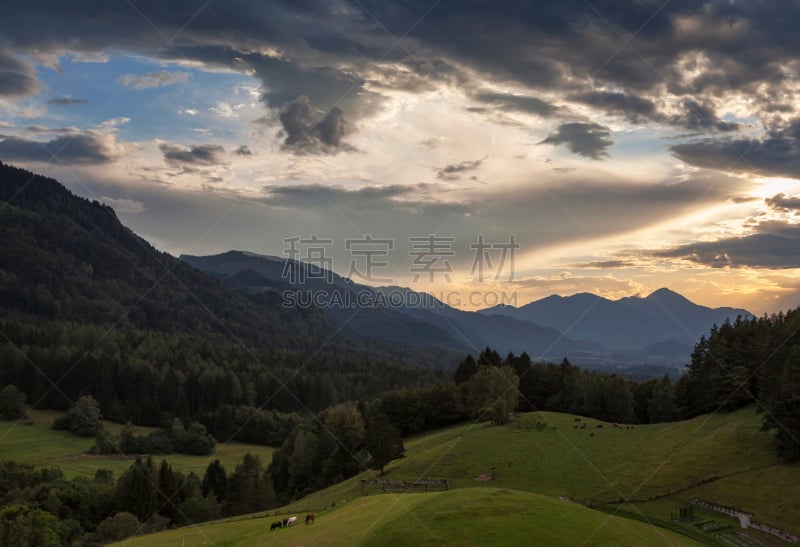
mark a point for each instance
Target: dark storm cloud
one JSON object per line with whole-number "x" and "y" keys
{"x": 454, "y": 171}
{"x": 782, "y": 202}
{"x": 773, "y": 245}
{"x": 370, "y": 198}
{"x": 65, "y": 101}
{"x": 306, "y": 132}
{"x": 590, "y": 140}
{"x": 17, "y": 77}
{"x": 83, "y": 148}
{"x": 633, "y": 107}
{"x": 695, "y": 116}
{"x": 537, "y": 44}
{"x": 518, "y": 103}
{"x": 776, "y": 154}
{"x": 203, "y": 155}
{"x": 701, "y": 117}
{"x": 243, "y": 150}
{"x": 336, "y": 53}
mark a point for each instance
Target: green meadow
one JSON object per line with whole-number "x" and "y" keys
{"x": 543, "y": 469}
{"x": 523, "y": 483}
{"x": 38, "y": 444}
{"x": 723, "y": 458}
{"x": 468, "y": 516}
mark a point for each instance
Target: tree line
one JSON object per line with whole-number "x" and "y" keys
{"x": 41, "y": 508}
{"x": 148, "y": 378}
{"x": 350, "y": 438}
{"x": 751, "y": 360}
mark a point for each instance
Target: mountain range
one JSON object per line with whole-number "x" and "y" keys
{"x": 66, "y": 258}
{"x": 660, "y": 329}
{"x": 660, "y": 320}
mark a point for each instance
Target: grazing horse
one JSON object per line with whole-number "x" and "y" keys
{"x": 291, "y": 520}
{"x": 310, "y": 519}
{"x": 275, "y": 525}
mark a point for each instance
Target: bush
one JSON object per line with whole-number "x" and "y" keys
{"x": 118, "y": 527}
{"x": 83, "y": 419}
{"x": 12, "y": 401}
{"x": 194, "y": 441}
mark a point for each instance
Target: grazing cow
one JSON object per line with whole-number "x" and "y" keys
{"x": 575, "y": 426}
{"x": 275, "y": 525}
{"x": 599, "y": 426}
{"x": 310, "y": 519}
{"x": 583, "y": 425}
{"x": 576, "y": 420}
{"x": 290, "y": 521}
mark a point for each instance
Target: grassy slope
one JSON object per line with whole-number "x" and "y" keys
{"x": 611, "y": 463}
{"x": 640, "y": 462}
{"x": 474, "y": 516}
{"x": 40, "y": 445}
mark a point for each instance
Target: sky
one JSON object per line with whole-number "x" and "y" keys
{"x": 486, "y": 152}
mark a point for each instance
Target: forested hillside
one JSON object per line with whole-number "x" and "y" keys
{"x": 89, "y": 308}
{"x": 750, "y": 360}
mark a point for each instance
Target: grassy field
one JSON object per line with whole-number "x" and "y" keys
{"x": 469, "y": 516}
{"x": 593, "y": 465}
{"x": 40, "y": 445}
{"x": 722, "y": 458}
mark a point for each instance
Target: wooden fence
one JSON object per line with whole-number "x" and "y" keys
{"x": 420, "y": 485}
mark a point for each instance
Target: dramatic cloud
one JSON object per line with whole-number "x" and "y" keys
{"x": 65, "y": 101}
{"x": 518, "y": 103}
{"x": 203, "y": 155}
{"x": 632, "y": 107}
{"x": 774, "y": 245}
{"x": 782, "y": 202}
{"x": 777, "y": 154}
{"x": 17, "y": 77}
{"x": 78, "y": 148}
{"x": 701, "y": 117}
{"x": 454, "y": 171}
{"x": 153, "y": 79}
{"x": 369, "y": 198}
{"x": 713, "y": 82}
{"x": 590, "y": 140}
{"x": 685, "y": 47}
{"x": 306, "y": 133}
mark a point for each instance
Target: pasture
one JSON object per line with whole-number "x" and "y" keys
{"x": 724, "y": 458}
{"x": 469, "y": 516}
{"x": 38, "y": 444}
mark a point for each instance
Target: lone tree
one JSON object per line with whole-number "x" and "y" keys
{"x": 383, "y": 442}
{"x": 82, "y": 419}
{"x": 12, "y": 401}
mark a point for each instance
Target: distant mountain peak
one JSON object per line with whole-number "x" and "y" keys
{"x": 667, "y": 294}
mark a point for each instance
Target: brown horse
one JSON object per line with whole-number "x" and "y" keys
{"x": 309, "y": 519}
